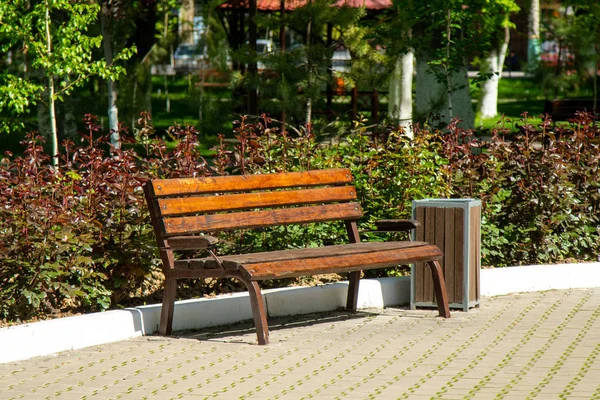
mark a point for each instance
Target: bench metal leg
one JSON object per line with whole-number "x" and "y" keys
{"x": 354, "y": 276}
{"x": 259, "y": 312}
{"x": 439, "y": 285}
{"x": 168, "y": 304}
{"x": 352, "y": 299}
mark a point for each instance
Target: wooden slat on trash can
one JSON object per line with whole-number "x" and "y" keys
{"x": 419, "y": 270}
{"x": 430, "y": 238}
{"x": 459, "y": 256}
{"x": 474, "y": 260}
{"x": 449, "y": 264}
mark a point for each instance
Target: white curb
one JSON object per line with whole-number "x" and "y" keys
{"x": 49, "y": 337}
{"x": 498, "y": 281}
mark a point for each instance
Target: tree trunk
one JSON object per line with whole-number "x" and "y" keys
{"x": 43, "y": 118}
{"x": 488, "y": 104}
{"x": 533, "y": 35}
{"x": 69, "y": 120}
{"x": 308, "y": 77}
{"x": 186, "y": 21}
{"x": 51, "y": 105}
{"x": 462, "y": 106}
{"x": 252, "y": 65}
{"x": 446, "y": 66}
{"x": 113, "y": 111}
{"x": 400, "y": 92}
{"x": 53, "y": 125}
{"x": 596, "y": 65}
{"x": 432, "y": 96}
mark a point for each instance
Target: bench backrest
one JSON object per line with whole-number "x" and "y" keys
{"x": 566, "y": 108}
{"x": 189, "y": 206}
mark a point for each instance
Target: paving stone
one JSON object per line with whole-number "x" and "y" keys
{"x": 541, "y": 343}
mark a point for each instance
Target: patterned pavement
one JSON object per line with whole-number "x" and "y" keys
{"x": 543, "y": 345}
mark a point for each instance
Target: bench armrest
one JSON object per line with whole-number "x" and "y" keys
{"x": 396, "y": 225}
{"x": 190, "y": 242}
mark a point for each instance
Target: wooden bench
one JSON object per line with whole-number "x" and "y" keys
{"x": 212, "y": 78}
{"x": 183, "y": 210}
{"x": 565, "y": 109}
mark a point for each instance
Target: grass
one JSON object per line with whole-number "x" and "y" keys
{"x": 519, "y": 95}
{"x": 512, "y": 111}
{"x": 210, "y": 111}
{"x": 213, "y": 109}
{"x": 515, "y": 96}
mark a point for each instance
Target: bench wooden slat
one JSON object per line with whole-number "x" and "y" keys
{"x": 233, "y": 262}
{"x": 263, "y": 218}
{"x": 338, "y": 263}
{"x": 190, "y": 242}
{"x": 201, "y": 204}
{"x": 314, "y": 252}
{"x": 565, "y": 109}
{"x": 189, "y": 186}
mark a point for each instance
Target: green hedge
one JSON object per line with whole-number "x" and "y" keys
{"x": 78, "y": 237}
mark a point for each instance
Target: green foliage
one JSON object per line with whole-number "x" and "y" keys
{"x": 78, "y": 237}
{"x": 294, "y": 79}
{"x": 539, "y": 191}
{"x": 52, "y": 37}
{"x": 575, "y": 33}
{"x": 389, "y": 169}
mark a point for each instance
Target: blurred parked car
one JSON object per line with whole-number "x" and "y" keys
{"x": 189, "y": 56}
{"x": 264, "y": 46}
{"x": 340, "y": 61}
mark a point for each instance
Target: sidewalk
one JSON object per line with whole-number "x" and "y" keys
{"x": 540, "y": 344}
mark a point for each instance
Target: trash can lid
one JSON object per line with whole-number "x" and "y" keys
{"x": 447, "y": 202}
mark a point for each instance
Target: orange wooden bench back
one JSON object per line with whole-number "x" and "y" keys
{"x": 187, "y": 206}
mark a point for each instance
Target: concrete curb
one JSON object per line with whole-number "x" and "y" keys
{"x": 48, "y": 337}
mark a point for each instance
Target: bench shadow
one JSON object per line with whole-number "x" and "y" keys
{"x": 244, "y": 331}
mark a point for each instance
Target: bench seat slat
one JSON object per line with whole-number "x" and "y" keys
{"x": 307, "y": 261}
{"x": 257, "y": 219}
{"x": 312, "y": 252}
{"x": 234, "y": 183}
{"x": 202, "y": 204}
{"x": 233, "y": 262}
{"x": 339, "y": 263}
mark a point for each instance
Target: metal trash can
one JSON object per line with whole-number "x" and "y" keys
{"x": 454, "y": 225}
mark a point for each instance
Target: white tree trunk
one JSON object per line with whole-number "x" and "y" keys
{"x": 533, "y": 36}
{"x": 462, "y": 106}
{"x": 308, "y": 78}
{"x": 113, "y": 115}
{"x": 488, "y": 104}
{"x": 51, "y": 106}
{"x": 113, "y": 111}
{"x": 53, "y": 125}
{"x": 400, "y": 92}
{"x": 431, "y": 102}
